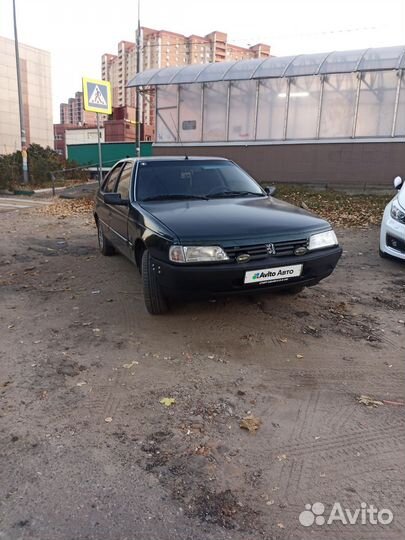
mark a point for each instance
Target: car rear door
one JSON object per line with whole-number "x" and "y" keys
{"x": 119, "y": 214}
{"x": 104, "y": 210}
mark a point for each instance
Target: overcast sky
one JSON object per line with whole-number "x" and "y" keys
{"x": 78, "y": 32}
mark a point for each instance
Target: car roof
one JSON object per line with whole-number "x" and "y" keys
{"x": 175, "y": 158}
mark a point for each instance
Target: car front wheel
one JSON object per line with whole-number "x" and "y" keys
{"x": 105, "y": 245}
{"x": 155, "y": 301}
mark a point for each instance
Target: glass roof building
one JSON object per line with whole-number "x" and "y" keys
{"x": 329, "y": 97}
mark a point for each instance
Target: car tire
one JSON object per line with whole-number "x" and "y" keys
{"x": 155, "y": 302}
{"x": 294, "y": 289}
{"x": 104, "y": 245}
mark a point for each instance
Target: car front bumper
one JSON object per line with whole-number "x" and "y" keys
{"x": 226, "y": 278}
{"x": 392, "y": 236}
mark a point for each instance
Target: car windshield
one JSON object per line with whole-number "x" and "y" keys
{"x": 193, "y": 179}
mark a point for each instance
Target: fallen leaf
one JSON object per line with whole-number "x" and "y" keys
{"x": 167, "y": 401}
{"x": 282, "y": 457}
{"x": 81, "y": 383}
{"x": 283, "y": 339}
{"x": 251, "y": 423}
{"x": 369, "y": 401}
{"x": 299, "y": 356}
{"x": 280, "y": 526}
{"x": 128, "y": 366}
{"x": 108, "y": 419}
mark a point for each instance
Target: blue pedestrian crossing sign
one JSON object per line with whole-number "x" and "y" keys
{"x": 97, "y": 96}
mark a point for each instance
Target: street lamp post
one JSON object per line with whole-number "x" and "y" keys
{"x": 20, "y": 103}
{"x": 137, "y": 96}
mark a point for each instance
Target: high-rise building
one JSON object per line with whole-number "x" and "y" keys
{"x": 73, "y": 112}
{"x": 35, "y": 67}
{"x": 74, "y": 117}
{"x": 161, "y": 48}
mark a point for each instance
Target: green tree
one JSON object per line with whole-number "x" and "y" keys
{"x": 42, "y": 164}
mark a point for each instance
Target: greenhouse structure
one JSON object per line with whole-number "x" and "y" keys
{"x": 321, "y": 117}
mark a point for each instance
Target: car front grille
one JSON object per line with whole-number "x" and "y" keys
{"x": 261, "y": 251}
{"x": 287, "y": 248}
{"x": 258, "y": 251}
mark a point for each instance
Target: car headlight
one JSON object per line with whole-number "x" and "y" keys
{"x": 322, "y": 240}
{"x": 397, "y": 212}
{"x": 192, "y": 254}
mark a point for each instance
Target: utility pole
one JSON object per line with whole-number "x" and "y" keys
{"x": 20, "y": 103}
{"x": 137, "y": 95}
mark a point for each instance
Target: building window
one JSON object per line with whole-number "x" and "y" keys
{"x": 303, "y": 107}
{"x": 338, "y": 102}
{"x": 215, "y": 101}
{"x": 376, "y": 111}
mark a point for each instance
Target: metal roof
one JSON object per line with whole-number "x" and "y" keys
{"x": 277, "y": 66}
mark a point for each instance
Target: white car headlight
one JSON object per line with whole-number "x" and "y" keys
{"x": 397, "y": 212}
{"x": 322, "y": 240}
{"x": 191, "y": 254}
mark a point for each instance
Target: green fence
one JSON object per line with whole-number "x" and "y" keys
{"x": 87, "y": 154}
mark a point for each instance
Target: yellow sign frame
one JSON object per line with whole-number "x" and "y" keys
{"x": 92, "y": 108}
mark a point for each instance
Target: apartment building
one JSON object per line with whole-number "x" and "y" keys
{"x": 73, "y": 112}
{"x": 74, "y": 117}
{"x": 162, "y": 48}
{"x": 35, "y": 66}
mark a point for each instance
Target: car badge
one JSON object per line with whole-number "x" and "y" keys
{"x": 300, "y": 250}
{"x": 244, "y": 257}
{"x": 271, "y": 250}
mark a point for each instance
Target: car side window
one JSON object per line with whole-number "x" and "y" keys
{"x": 125, "y": 180}
{"x": 111, "y": 179}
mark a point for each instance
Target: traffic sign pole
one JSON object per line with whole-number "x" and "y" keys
{"x": 97, "y": 98}
{"x": 100, "y": 157}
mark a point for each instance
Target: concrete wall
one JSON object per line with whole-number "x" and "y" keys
{"x": 351, "y": 164}
{"x": 35, "y": 67}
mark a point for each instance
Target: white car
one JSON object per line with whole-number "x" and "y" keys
{"x": 392, "y": 235}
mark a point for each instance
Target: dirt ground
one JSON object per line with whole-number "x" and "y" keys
{"x": 88, "y": 452}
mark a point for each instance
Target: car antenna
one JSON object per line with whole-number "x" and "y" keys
{"x": 179, "y": 137}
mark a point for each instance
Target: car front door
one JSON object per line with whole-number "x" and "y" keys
{"x": 119, "y": 214}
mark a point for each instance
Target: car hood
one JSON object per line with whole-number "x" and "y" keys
{"x": 235, "y": 220}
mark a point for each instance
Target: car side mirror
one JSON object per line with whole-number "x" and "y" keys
{"x": 398, "y": 182}
{"x": 115, "y": 198}
{"x": 270, "y": 190}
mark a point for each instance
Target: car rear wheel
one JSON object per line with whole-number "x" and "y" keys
{"x": 155, "y": 302}
{"x": 105, "y": 245}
